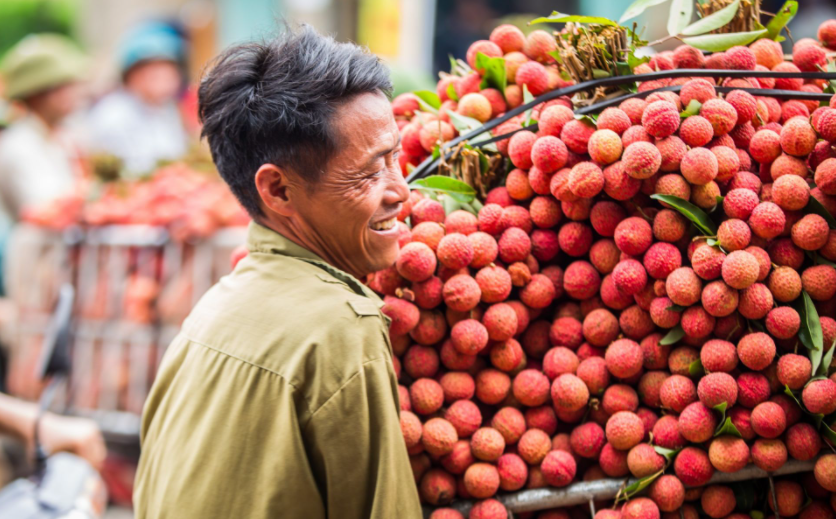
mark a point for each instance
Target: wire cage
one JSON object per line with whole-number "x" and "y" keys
{"x": 134, "y": 286}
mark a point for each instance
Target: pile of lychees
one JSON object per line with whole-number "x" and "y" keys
{"x": 577, "y": 329}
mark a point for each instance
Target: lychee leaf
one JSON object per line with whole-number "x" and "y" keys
{"x": 756, "y": 514}
{"x": 450, "y": 204}
{"x": 673, "y": 336}
{"x": 693, "y": 108}
{"x": 558, "y": 17}
{"x": 781, "y": 19}
{"x": 676, "y": 308}
{"x": 637, "y": 486}
{"x": 451, "y": 92}
{"x": 679, "y": 16}
{"x": 637, "y": 8}
{"x": 827, "y": 432}
{"x": 691, "y": 212}
{"x": 668, "y": 454}
{"x": 696, "y": 369}
{"x": 453, "y": 188}
{"x": 789, "y": 393}
{"x": 814, "y": 206}
{"x": 722, "y": 42}
{"x": 464, "y": 124}
{"x": 810, "y": 332}
{"x": 429, "y": 98}
{"x": 727, "y": 427}
{"x": 721, "y": 407}
{"x": 827, "y": 360}
{"x": 713, "y": 21}
{"x": 494, "y": 72}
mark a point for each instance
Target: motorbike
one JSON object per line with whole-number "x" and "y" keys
{"x": 63, "y": 485}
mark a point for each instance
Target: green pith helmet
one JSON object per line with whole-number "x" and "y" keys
{"x": 39, "y": 62}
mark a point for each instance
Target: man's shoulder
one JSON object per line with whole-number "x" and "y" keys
{"x": 293, "y": 319}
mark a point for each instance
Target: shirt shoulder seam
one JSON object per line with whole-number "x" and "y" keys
{"x": 239, "y": 359}
{"x": 340, "y": 389}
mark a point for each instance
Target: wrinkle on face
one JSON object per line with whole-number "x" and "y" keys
{"x": 361, "y": 184}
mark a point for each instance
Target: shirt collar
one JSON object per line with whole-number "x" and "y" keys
{"x": 264, "y": 239}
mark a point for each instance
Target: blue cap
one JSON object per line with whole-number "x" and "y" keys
{"x": 150, "y": 41}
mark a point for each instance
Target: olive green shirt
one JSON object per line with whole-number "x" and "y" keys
{"x": 278, "y": 399}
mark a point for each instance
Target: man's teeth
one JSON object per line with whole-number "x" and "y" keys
{"x": 385, "y": 225}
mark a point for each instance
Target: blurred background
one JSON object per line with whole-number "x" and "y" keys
{"x": 105, "y": 186}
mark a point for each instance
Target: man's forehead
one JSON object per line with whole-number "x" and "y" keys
{"x": 366, "y": 121}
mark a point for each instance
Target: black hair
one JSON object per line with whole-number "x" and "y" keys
{"x": 273, "y": 102}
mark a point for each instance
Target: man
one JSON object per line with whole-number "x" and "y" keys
{"x": 278, "y": 398}
{"x": 140, "y": 123}
{"x": 37, "y": 162}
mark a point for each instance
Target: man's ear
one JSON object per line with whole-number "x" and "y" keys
{"x": 274, "y": 188}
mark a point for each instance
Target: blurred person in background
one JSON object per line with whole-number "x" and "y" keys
{"x": 38, "y": 161}
{"x": 140, "y": 123}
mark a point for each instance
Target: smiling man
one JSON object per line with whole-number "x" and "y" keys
{"x": 278, "y": 398}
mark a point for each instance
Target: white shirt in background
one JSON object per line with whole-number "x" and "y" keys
{"x": 36, "y": 166}
{"x": 140, "y": 134}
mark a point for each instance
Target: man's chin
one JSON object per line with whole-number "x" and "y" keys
{"x": 384, "y": 259}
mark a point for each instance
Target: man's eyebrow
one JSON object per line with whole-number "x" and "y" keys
{"x": 384, "y": 152}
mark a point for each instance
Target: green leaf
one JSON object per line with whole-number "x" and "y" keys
{"x": 673, "y": 336}
{"x": 450, "y": 204}
{"x": 451, "y": 92}
{"x": 428, "y": 97}
{"x": 679, "y": 16}
{"x": 756, "y": 514}
{"x": 696, "y": 369}
{"x": 814, "y": 206}
{"x": 781, "y": 19}
{"x": 638, "y": 486}
{"x": 719, "y": 199}
{"x": 810, "y": 333}
{"x": 745, "y": 494}
{"x": 789, "y": 393}
{"x": 693, "y": 108}
{"x": 455, "y": 189}
{"x": 668, "y": 454}
{"x": 727, "y": 427}
{"x": 826, "y": 361}
{"x": 598, "y": 73}
{"x": 713, "y": 21}
{"x": 494, "y": 72}
{"x": 637, "y": 8}
{"x": 464, "y": 124}
{"x": 676, "y": 308}
{"x": 722, "y": 42}
{"x": 691, "y": 212}
{"x": 818, "y": 260}
{"x": 527, "y": 98}
{"x": 587, "y": 119}
{"x": 828, "y": 432}
{"x": 558, "y": 17}
{"x": 453, "y": 63}
{"x": 721, "y": 407}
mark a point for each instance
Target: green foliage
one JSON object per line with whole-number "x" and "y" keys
{"x": 680, "y": 16}
{"x": 428, "y": 98}
{"x": 558, "y": 17}
{"x": 713, "y": 21}
{"x": 637, "y": 8}
{"x": 494, "y": 76}
{"x": 722, "y": 42}
{"x": 438, "y": 184}
{"x": 781, "y": 19}
{"x": 673, "y": 336}
{"x": 691, "y": 212}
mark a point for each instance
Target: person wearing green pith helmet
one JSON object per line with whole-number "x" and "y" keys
{"x": 38, "y": 161}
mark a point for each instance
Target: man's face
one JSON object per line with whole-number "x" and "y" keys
{"x": 57, "y": 103}
{"x": 351, "y": 212}
{"x": 155, "y": 82}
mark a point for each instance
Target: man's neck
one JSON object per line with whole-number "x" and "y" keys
{"x": 291, "y": 231}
